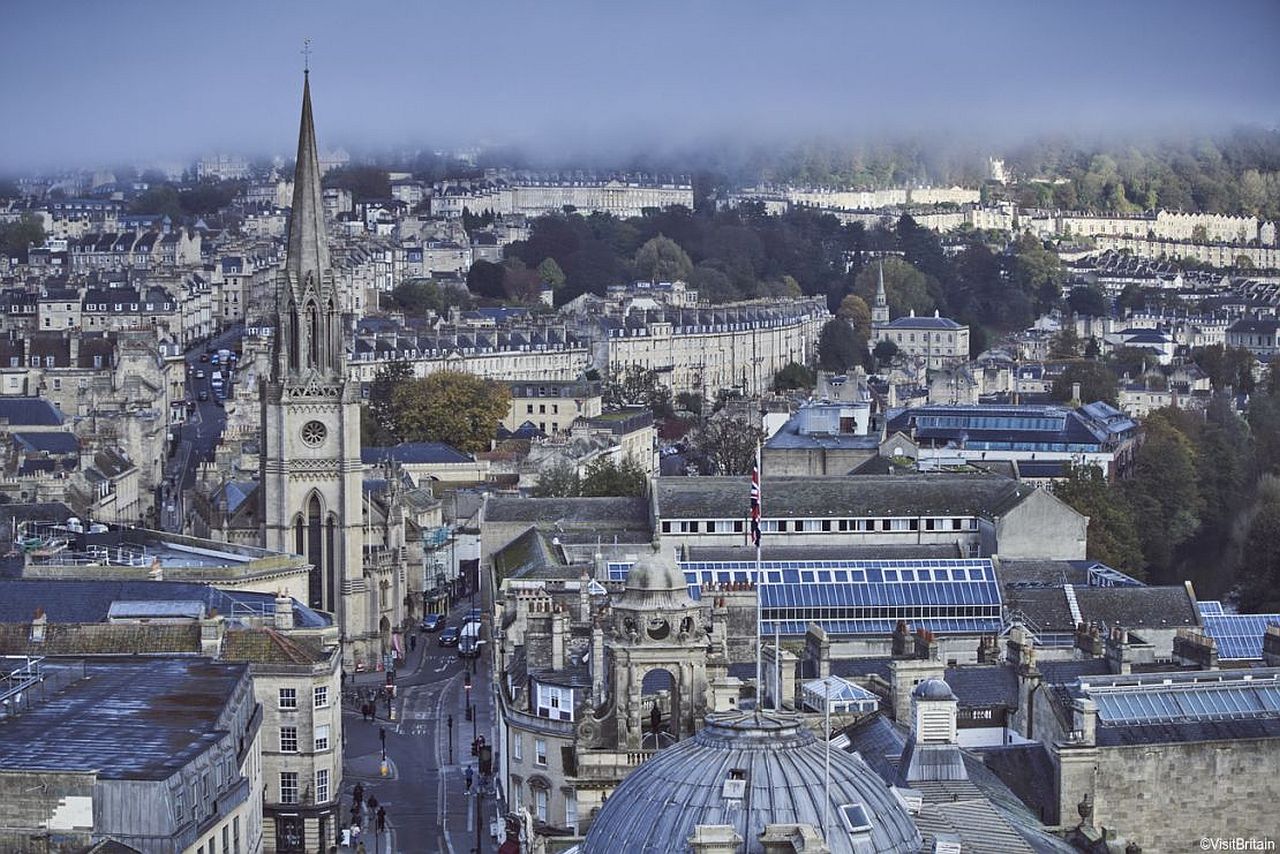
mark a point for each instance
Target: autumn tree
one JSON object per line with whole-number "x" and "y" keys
{"x": 459, "y": 409}
{"x": 381, "y": 402}
{"x": 853, "y": 309}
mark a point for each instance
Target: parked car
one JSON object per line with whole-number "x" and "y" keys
{"x": 449, "y": 637}
{"x": 432, "y": 623}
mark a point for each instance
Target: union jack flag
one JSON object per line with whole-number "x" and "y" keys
{"x": 755, "y": 504}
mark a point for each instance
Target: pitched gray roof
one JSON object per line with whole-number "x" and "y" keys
{"x": 615, "y": 512}
{"x": 871, "y": 495}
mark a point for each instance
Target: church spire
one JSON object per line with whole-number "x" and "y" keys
{"x": 308, "y": 247}
{"x": 880, "y": 311}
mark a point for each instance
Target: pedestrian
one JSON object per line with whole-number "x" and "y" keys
{"x": 357, "y": 794}
{"x": 382, "y": 819}
{"x": 468, "y": 779}
{"x": 355, "y": 833}
{"x": 373, "y": 804}
{"x": 413, "y": 643}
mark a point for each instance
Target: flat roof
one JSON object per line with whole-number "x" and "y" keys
{"x": 127, "y": 719}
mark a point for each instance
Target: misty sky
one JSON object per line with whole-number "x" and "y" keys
{"x": 101, "y": 82}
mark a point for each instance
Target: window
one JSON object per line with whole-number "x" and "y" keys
{"x": 226, "y": 838}
{"x": 517, "y": 747}
{"x": 288, "y": 787}
{"x": 570, "y": 808}
{"x": 235, "y": 834}
{"x": 540, "y": 804}
{"x": 288, "y": 739}
{"x": 528, "y": 409}
{"x": 321, "y": 697}
{"x": 322, "y": 737}
{"x": 322, "y": 785}
{"x": 288, "y": 698}
{"x": 540, "y": 753}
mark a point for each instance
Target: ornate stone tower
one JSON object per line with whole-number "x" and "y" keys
{"x": 311, "y": 479}
{"x": 657, "y": 626}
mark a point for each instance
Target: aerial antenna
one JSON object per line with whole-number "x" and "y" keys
{"x": 306, "y": 56}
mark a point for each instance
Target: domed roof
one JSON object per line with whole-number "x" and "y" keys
{"x": 780, "y": 763}
{"x": 933, "y": 689}
{"x": 654, "y": 581}
{"x": 653, "y": 570}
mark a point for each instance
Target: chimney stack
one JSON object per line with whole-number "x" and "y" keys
{"x": 283, "y": 611}
{"x": 559, "y": 628}
{"x": 38, "y": 626}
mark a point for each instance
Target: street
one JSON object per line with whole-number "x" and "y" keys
{"x": 198, "y": 436}
{"x": 424, "y": 790}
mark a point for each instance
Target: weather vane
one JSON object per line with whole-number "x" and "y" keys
{"x": 306, "y": 56}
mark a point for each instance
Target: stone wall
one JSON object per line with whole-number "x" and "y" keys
{"x": 1167, "y": 797}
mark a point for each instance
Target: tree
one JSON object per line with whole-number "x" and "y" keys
{"x": 838, "y": 349}
{"x": 452, "y": 407}
{"x": 691, "y": 402}
{"x": 885, "y": 351}
{"x": 558, "y": 481}
{"x": 550, "y": 273}
{"x": 604, "y": 477}
{"x": 486, "y": 279}
{"x": 1163, "y": 491}
{"x": 1260, "y": 585}
{"x": 1113, "y": 533}
{"x": 1065, "y": 344}
{"x": 637, "y": 386}
{"x": 364, "y": 182}
{"x": 853, "y": 308}
{"x": 1095, "y": 379}
{"x": 16, "y": 237}
{"x": 1244, "y": 262}
{"x": 519, "y": 283}
{"x": 662, "y": 260}
{"x": 1088, "y": 301}
{"x": 906, "y": 288}
{"x": 729, "y": 445}
{"x": 382, "y": 401}
{"x": 793, "y": 376}
{"x": 712, "y": 285}
{"x": 416, "y": 297}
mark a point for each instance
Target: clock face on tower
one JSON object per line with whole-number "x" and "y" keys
{"x": 313, "y": 433}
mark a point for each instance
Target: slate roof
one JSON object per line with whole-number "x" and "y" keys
{"x": 939, "y": 323}
{"x": 769, "y": 551}
{"x": 73, "y": 639}
{"x": 1028, "y": 771}
{"x": 1138, "y": 607}
{"x": 616, "y": 512}
{"x": 420, "y": 453}
{"x": 88, "y": 601}
{"x": 984, "y": 685}
{"x": 1063, "y": 672}
{"x": 268, "y": 646}
{"x": 52, "y": 441}
{"x": 129, "y": 719}
{"x": 870, "y": 495}
{"x": 29, "y": 411}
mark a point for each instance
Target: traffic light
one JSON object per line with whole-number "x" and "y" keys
{"x": 475, "y": 747}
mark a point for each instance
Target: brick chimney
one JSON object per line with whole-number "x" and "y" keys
{"x": 926, "y": 645}
{"x": 988, "y": 650}
{"x": 1089, "y": 640}
{"x": 901, "y": 644}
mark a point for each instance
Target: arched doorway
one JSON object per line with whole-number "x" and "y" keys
{"x": 659, "y": 709}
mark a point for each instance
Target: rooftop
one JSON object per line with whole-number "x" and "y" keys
{"x": 126, "y": 719}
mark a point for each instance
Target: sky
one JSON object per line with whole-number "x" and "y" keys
{"x": 89, "y": 83}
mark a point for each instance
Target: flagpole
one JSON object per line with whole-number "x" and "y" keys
{"x": 757, "y": 511}
{"x": 777, "y": 666}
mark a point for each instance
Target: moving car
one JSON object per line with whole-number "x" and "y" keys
{"x": 473, "y": 616}
{"x": 204, "y": 357}
{"x": 199, "y": 375}
{"x": 203, "y": 395}
{"x": 432, "y": 623}
{"x": 449, "y": 637}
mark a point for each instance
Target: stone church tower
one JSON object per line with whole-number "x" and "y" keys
{"x": 311, "y": 475}
{"x": 880, "y": 310}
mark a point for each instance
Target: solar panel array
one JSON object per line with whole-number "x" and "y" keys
{"x": 1210, "y": 606}
{"x": 1188, "y": 701}
{"x": 1239, "y": 636}
{"x": 960, "y": 595}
